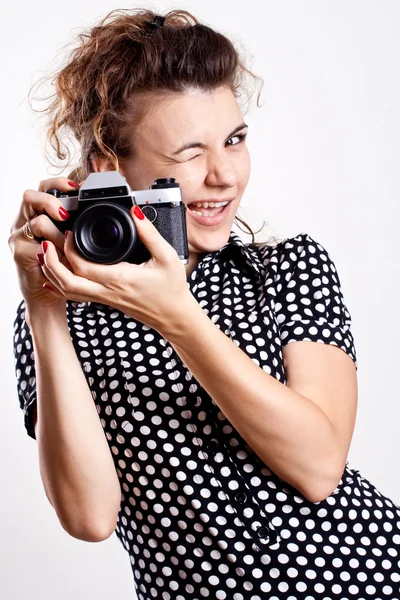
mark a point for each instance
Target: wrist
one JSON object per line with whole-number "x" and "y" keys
{"x": 38, "y": 314}
{"x": 182, "y": 321}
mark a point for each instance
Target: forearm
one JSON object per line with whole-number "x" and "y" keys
{"x": 76, "y": 465}
{"x": 289, "y": 432}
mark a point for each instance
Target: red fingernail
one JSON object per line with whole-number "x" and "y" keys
{"x": 40, "y": 258}
{"x": 45, "y": 245}
{"x": 73, "y": 184}
{"x": 138, "y": 213}
{"x": 63, "y": 213}
{"x": 48, "y": 287}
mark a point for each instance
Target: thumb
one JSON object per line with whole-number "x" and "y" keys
{"x": 157, "y": 245}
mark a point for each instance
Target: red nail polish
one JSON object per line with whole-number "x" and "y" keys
{"x": 45, "y": 245}
{"x": 48, "y": 287}
{"x": 40, "y": 258}
{"x": 63, "y": 213}
{"x": 73, "y": 184}
{"x": 138, "y": 213}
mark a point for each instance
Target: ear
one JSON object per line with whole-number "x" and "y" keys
{"x": 101, "y": 163}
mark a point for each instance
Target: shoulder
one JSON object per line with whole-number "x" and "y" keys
{"x": 292, "y": 248}
{"x": 301, "y": 253}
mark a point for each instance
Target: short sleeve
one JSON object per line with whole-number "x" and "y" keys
{"x": 25, "y": 369}
{"x": 309, "y": 300}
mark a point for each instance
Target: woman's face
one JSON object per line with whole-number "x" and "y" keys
{"x": 199, "y": 139}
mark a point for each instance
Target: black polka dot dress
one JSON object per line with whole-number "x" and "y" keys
{"x": 201, "y": 515}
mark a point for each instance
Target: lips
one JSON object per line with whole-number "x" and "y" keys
{"x": 205, "y": 215}
{"x": 201, "y": 205}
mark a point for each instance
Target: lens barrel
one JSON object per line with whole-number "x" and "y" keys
{"x": 105, "y": 233}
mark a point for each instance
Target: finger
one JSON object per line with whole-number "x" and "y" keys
{"x": 47, "y": 273}
{"x": 59, "y": 183}
{"x": 157, "y": 245}
{"x": 50, "y": 288}
{"x": 49, "y": 284}
{"x": 42, "y": 227}
{"x": 96, "y": 272}
{"x": 37, "y": 201}
{"x": 70, "y": 284}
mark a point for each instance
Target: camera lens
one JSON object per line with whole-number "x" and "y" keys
{"x": 105, "y": 233}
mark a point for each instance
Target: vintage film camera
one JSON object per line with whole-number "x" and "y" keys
{"x": 103, "y": 229}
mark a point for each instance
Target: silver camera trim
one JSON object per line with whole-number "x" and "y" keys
{"x": 113, "y": 179}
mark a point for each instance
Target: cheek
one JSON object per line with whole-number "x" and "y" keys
{"x": 139, "y": 176}
{"x": 190, "y": 177}
{"x": 243, "y": 168}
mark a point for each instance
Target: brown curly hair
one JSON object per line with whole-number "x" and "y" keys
{"x": 117, "y": 64}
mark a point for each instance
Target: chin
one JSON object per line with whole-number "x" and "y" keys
{"x": 208, "y": 241}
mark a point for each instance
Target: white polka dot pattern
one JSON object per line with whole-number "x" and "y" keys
{"x": 201, "y": 514}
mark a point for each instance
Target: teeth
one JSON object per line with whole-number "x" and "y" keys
{"x": 209, "y": 204}
{"x": 206, "y": 205}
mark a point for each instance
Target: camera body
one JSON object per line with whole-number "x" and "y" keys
{"x": 103, "y": 229}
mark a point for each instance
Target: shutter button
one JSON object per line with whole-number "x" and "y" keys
{"x": 240, "y": 497}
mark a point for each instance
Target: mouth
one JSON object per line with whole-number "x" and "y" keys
{"x": 210, "y": 212}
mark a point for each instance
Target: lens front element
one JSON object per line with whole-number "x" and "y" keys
{"x": 105, "y": 233}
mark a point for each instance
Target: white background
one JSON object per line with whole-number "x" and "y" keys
{"x": 325, "y": 159}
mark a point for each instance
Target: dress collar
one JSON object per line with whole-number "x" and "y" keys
{"x": 234, "y": 246}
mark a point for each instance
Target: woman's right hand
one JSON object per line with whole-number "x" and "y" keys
{"x": 30, "y": 275}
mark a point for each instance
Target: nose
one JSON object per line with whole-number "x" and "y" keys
{"x": 220, "y": 171}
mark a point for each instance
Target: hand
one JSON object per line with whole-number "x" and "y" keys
{"x": 30, "y": 275}
{"x": 153, "y": 292}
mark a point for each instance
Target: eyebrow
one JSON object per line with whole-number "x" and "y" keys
{"x": 201, "y": 145}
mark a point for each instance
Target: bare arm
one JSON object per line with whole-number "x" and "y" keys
{"x": 302, "y": 432}
{"x": 76, "y": 465}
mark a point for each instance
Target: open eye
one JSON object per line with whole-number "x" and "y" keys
{"x": 236, "y": 139}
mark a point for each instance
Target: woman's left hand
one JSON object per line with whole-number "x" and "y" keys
{"x": 153, "y": 292}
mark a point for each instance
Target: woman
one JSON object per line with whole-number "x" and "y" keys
{"x": 216, "y": 446}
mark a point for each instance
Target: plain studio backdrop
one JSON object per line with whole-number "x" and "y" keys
{"x": 325, "y": 160}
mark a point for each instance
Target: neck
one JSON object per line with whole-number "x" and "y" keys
{"x": 194, "y": 258}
